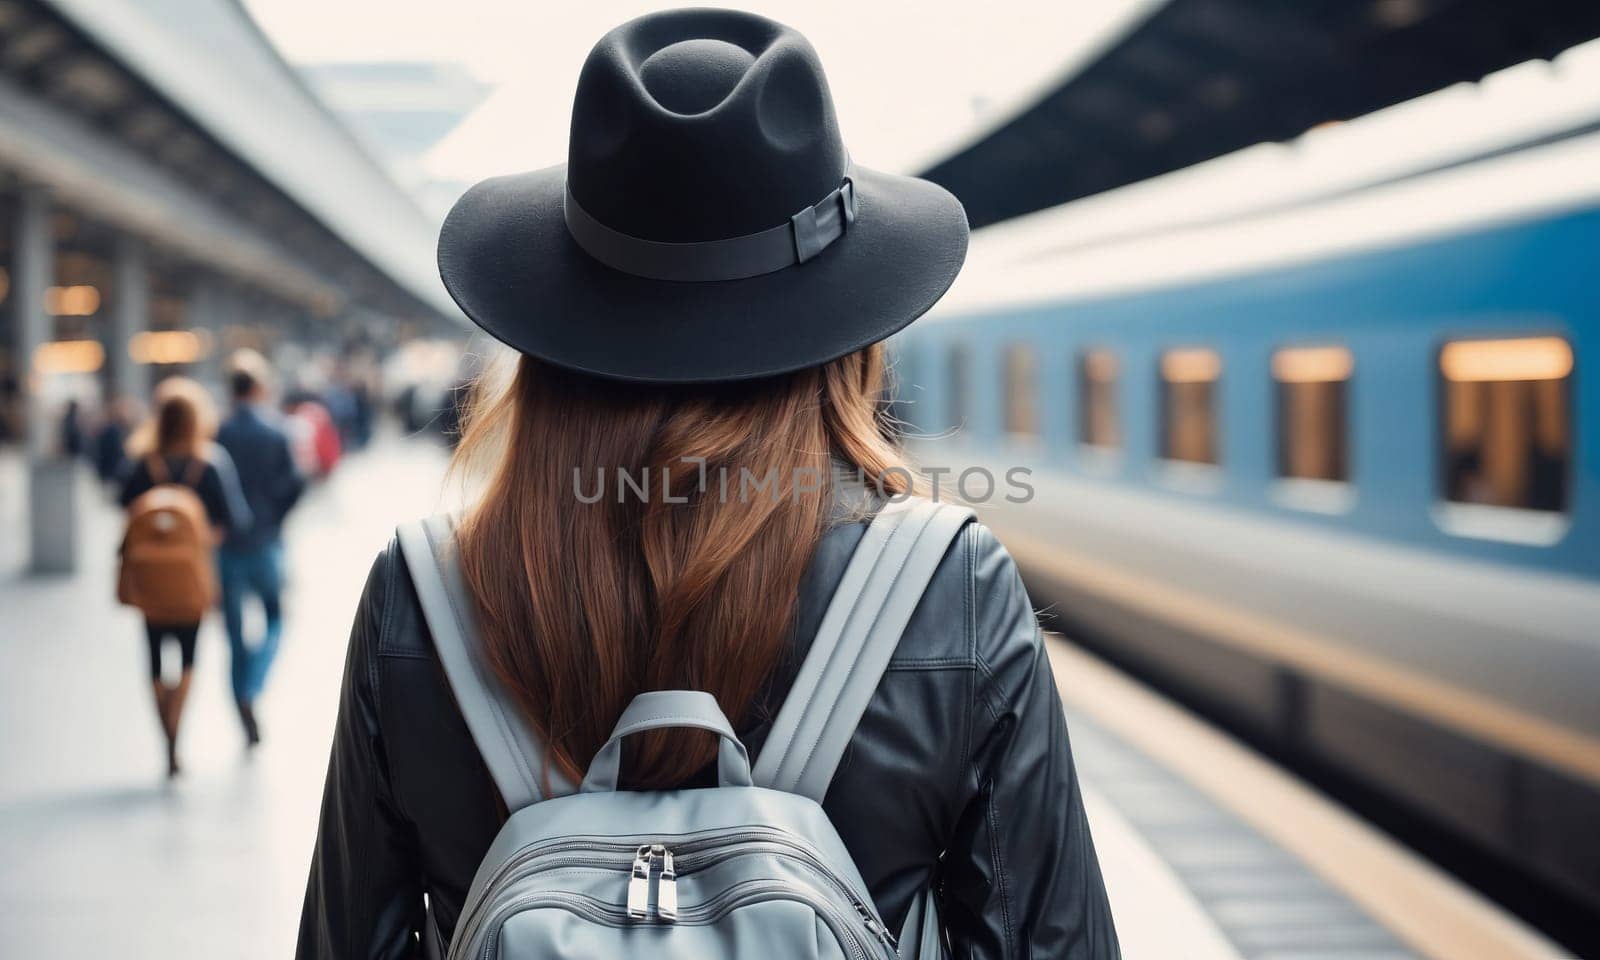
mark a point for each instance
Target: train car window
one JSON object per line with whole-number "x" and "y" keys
{"x": 1022, "y": 391}
{"x": 1312, "y": 387}
{"x": 1507, "y": 422}
{"x": 1098, "y": 425}
{"x": 957, "y": 386}
{"x": 1189, "y": 380}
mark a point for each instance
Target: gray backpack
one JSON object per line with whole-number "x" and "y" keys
{"x": 750, "y": 868}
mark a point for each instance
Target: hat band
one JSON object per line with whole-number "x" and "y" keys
{"x": 805, "y": 235}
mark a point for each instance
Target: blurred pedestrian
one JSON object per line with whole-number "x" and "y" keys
{"x": 182, "y": 496}
{"x": 363, "y": 412}
{"x": 251, "y": 559}
{"x": 340, "y": 403}
{"x": 10, "y": 403}
{"x": 313, "y": 437}
{"x": 72, "y": 442}
{"x": 111, "y": 440}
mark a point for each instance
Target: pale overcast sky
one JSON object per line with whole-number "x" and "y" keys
{"x": 911, "y": 79}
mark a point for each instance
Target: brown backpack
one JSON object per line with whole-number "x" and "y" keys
{"x": 167, "y": 569}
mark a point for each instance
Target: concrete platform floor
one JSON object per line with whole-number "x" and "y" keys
{"x": 99, "y": 854}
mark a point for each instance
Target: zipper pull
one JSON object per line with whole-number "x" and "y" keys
{"x": 667, "y": 893}
{"x": 639, "y": 885}
{"x": 876, "y": 928}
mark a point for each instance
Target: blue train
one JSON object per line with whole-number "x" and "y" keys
{"x": 1320, "y": 456}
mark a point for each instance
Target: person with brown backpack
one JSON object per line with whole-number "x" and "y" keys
{"x": 182, "y": 495}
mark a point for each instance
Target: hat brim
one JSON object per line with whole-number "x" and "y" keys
{"x": 506, "y": 257}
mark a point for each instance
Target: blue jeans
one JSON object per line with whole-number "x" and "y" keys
{"x": 258, "y": 571}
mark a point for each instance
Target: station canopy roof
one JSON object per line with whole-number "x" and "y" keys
{"x": 208, "y": 59}
{"x": 1199, "y": 79}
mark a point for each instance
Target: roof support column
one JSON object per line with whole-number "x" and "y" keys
{"x": 205, "y": 303}
{"x": 52, "y": 476}
{"x": 31, "y": 274}
{"x": 130, "y": 316}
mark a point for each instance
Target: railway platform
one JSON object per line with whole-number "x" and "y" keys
{"x": 1275, "y": 870}
{"x": 1208, "y": 851}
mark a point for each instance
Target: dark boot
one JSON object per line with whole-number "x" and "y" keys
{"x": 174, "y": 718}
{"x": 164, "y": 708}
{"x": 252, "y": 730}
{"x": 164, "y": 701}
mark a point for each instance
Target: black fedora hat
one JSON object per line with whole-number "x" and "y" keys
{"x": 708, "y": 225}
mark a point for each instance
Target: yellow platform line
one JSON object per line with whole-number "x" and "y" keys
{"x": 1429, "y": 910}
{"x": 1466, "y": 711}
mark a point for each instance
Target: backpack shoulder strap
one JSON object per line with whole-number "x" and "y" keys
{"x": 881, "y": 587}
{"x": 511, "y": 749}
{"x": 194, "y": 472}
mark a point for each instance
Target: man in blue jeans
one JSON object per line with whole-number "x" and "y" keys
{"x": 251, "y": 559}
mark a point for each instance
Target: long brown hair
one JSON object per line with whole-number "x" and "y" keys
{"x": 181, "y": 425}
{"x": 690, "y": 585}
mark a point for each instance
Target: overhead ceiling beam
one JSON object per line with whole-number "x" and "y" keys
{"x": 106, "y": 180}
{"x": 1202, "y": 78}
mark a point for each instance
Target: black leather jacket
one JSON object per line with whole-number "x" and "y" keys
{"x": 960, "y": 772}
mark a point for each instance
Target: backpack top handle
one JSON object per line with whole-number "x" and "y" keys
{"x": 661, "y": 709}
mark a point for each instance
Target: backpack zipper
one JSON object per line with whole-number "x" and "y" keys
{"x": 645, "y": 854}
{"x": 667, "y": 892}
{"x": 667, "y": 889}
{"x": 639, "y": 883}
{"x": 742, "y": 894}
{"x": 803, "y": 852}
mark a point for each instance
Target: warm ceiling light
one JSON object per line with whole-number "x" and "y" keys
{"x": 69, "y": 356}
{"x": 1312, "y": 365}
{"x": 1398, "y": 14}
{"x": 166, "y": 346}
{"x": 81, "y": 300}
{"x": 1190, "y": 366}
{"x": 1526, "y": 358}
{"x": 1100, "y": 366}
